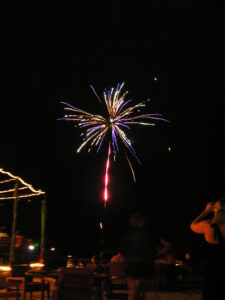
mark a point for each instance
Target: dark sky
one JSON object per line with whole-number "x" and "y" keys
{"x": 54, "y": 54}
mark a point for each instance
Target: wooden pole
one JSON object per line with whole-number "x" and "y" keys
{"x": 13, "y": 239}
{"x": 43, "y": 225}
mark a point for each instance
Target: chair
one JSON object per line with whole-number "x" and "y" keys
{"x": 15, "y": 288}
{"x": 37, "y": 286}
{"x": 166, "y": 276}
{"x": 118, "y": 284}
{"x": 31, "y": 286}
{"x": 75, "y": 284}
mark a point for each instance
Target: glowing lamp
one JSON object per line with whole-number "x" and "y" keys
{"x": 31, "y": 247}
{"x": 36, "y": 265}
{"x": 5, "y": 268}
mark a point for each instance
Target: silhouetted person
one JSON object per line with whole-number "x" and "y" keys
{"x": 138, "y": 250}
{"x": 165, "y": 264}
{"x": 118, "y": 258}
{"x": 165, "y": 253}
{"x": 20, "y": 248}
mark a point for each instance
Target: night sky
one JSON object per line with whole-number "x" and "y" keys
{"x": 54, "y": 54}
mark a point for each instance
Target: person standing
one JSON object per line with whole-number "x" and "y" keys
{"x": 138, "y": 250}
{"x": 211, "y": 224}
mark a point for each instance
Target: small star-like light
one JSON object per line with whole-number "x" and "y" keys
{"x": 155, "y": 78}
{"x": 169, "y": 149}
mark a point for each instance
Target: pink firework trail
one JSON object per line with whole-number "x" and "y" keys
{"x": 106, "y": 195}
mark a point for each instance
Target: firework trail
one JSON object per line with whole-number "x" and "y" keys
{"x": 107, "y": 176}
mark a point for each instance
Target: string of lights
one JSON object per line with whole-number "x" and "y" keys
{"x": 6, "y": 181}
{"x": 12, "y": 190}
{"x": 24, "y": 186}
{"x": 19, "y": 197}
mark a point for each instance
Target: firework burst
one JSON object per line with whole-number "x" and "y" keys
{"x": 120, "y": 116}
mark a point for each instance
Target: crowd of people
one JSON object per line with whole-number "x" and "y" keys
{"x": 140, "y": 258}
{"x": 136, "y": 250}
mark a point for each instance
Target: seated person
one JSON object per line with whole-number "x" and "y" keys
{"x": 118, "y": 258}
{"x": 20, "y": 240}
{"x": 165, "y": 253}
{"x": 92, "y": 264}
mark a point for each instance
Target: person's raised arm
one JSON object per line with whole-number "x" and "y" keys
{"x": 203, "y": 221}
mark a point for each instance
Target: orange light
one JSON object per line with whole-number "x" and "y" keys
{"x": 36, "y": 265}
{"x": 5, "y": 268}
